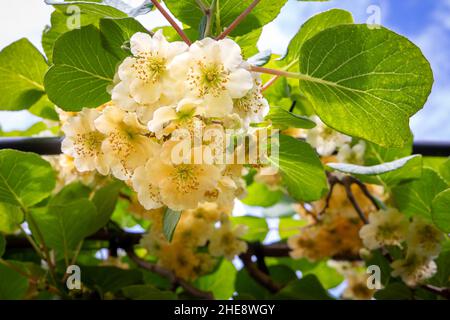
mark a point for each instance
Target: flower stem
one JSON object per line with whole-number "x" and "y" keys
{"x": 275, "y": 78}
{"x": 280, "y": 73}
{"x": 209, "y": 12}
{"x": 171, "y": 21}
{"x": 269, "y": 83}
{"x": 238, "y": 20}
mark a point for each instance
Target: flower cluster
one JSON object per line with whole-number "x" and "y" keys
{"x": 422, "y": 239}
{"x": 67, "y": 173}
{"x": 166, "y": 98}
{"x": 332, "y": 232}
{"x": 202, "y": 236}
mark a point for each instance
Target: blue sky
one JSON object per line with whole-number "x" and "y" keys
{"x": 425, "y": 22}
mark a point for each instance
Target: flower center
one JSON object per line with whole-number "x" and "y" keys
{"x": 88, "y": 144}
{"x": 208, "y": 79}
{"x": 150, "y": 67}
{"x": 185, "y": 178}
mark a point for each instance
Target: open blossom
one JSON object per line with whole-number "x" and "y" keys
{"x": 424, "y": 238}
{"x": 214, "y": 72}
{"x": 84, "y": 143}
{"x": 352, "y": 154}
{"x": 325, "y": 139}
{"x": 126, "y": 147}
{"x": 145, "y": 75}
{"x": 385, "y": 228}
{"x": 414, "y": 268}
{"x": 181, "y": 185}
{"x": 252, "y": 107}
{"x": 226, "y": 241}
{"x": 182, "y": 113}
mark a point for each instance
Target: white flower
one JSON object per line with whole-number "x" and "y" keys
{"x": 126, "y": 147}
{"x": 252, "y": 107}
{"x": 414, "y": 269}
{"x": 226, "y": 241}
{"x": 325, "y": 139}
{"x": 354, "y": 155}
{"x": 214, "y": 71}
{"x": 185, "y": 110}
{"x": 146, "y": 188}
{"x": 145, "y": 76}
{"x": 424, "y": 238}
{"x": 83, "y": 142}
{"x": 184, "y": 185}
{"x": 385, "y": 228}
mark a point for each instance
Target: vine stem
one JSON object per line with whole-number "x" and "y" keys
{"x": 260, "y": 276}
{"x": 170, "y": 275}
{"x": 47, "y": 255}
{"x": 238, "y": 20}
{"x": 269, "y": 83}
{"x": 172, "y": 22}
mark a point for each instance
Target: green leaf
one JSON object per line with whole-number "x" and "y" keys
{"x": 109, "y": 279}
{"x": 444, "y": 170}
{"x": 13, "y": 285}
{"x": 189, "y": 12}
{"x": 117, "y": 32}
{"x": 365, "y": 82}
{"x": 289, "y": 227}
{"x": 82, "y": 70}
{"x": 248, "y": 43}
{"x": 388, "y": 173}
{"x": 170, "y": 221}
{"x": 22, "y": 69}
{"x": 301, "y": 169}
{"x": 65, "y": 18}
{"x": 44, "y": 108}
{"x": 25, "y": 178}
{"x": 312, "y": 27}
{"x": 258, "y": 194}
{"x": 147, "y": 292}
{"x": 307, "y": 288}
{"x": 283, "y": 119}
{"x": 440, "y": 211}
{"x": 105, "y": 200}
{"x": 442, "y": 276}
{"x": 32, "y": 130}
{"x": 247, "y": 287}
{"x": 103, "y": 8}
{"x": 373, "y": 170}
{"x": 221, "y": 282}
{"x": 282, "y": 274}
{"x": 376, "y": 154}
{"x": 10, "y": 217}
{"x": 257, "y": 227}
{"x": 65, "y": 221}
{"x": 415, "y": 198}
{"x": 2, "y": 244}
{"x": 328, "y": 277}
{"x": 394, "y": 291}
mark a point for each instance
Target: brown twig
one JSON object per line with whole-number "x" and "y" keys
{"x": 366, "y": 192}
{"x": 261, "y": 277}
{"x": 238, "y": 20}
{"x": 172, "y": 22}
{"x": 332, "y": 180}
{"x": 347, "y": 183}
{"x": 169, "y": 275}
